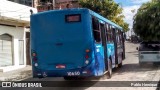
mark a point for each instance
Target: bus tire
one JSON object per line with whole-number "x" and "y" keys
{"x": 109, "y": 73}
{"x": 120, "y": 65}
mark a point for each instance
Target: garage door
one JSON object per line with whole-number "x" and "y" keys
{"x": 5, "y": 50}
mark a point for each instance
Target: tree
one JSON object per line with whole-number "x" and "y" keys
{"x": 147, "y": 21}
{"x": 107, "y": 8}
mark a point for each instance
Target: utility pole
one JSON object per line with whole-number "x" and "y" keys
{"x": 54, "y": 4}
{"x": 32, "y": 3}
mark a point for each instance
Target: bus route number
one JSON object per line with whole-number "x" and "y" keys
{"x": 76, "y": 73}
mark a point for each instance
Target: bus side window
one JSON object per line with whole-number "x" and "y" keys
{"x": 120, "y": 36}
{"x": 117, "y": 36}
{"x": 109, "y": 35}
{"x": 96, "y": 31}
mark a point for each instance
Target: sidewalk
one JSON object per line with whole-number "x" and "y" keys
{"x": 17, "y": 75}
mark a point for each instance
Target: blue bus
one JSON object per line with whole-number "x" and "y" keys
{"x": 75, "y": 43}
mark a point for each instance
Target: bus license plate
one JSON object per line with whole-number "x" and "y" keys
{"x": 76, "y": 73}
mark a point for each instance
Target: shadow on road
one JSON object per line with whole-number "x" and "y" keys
{"x": 158, "y": 87}
{"x": 135, "y": 68}
{"x": 132, "y": 52}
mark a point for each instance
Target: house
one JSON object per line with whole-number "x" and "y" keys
{"x": 24, "y": 2}
{"x": 61, "y": 4}
{"x": 14, "y": 35}
{"x": 15, "y": 31}
{"x": 44, "y": 5}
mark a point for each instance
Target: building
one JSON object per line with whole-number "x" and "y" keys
{"x": 14, "y": 35}
{"x": 44, "y": 5}
{"x": 61, "y": 4}
{"x": 24, "y": 2}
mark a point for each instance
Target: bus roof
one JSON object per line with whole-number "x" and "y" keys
{"x": 84, "y": 9}
{"x": 105, "y": 20}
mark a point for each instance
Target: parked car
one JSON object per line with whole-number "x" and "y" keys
{"x": 149, "y": 52}
{"x": 135, "y": 39}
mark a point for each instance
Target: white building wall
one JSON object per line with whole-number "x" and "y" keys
{"x": 17, "y": 34}
{"x": 15, "y": 10}
{"x": 15, "y": 14}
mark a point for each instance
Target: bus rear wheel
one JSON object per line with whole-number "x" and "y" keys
{"x": 109, "y": 73}
{"x": 120, "y": 65}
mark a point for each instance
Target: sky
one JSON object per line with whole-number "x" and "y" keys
{"x": 129, "y": 5}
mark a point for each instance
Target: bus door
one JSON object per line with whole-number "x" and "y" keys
{"x": 104, "y": 44}
{"x": 115, "y": 45}
{"x": 123, "y": 42}
{"x": 100, "y": 42}
{"x": 118, "y": 46}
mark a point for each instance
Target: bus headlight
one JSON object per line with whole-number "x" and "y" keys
{"x": 36, "y": 64}
{"x": 87, "y": 61}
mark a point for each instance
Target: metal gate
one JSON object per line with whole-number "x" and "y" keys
{"x": 6, "y": 50}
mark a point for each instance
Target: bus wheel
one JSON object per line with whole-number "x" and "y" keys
{"x": 120, "y": 65}
{"x": 109, "y": 73}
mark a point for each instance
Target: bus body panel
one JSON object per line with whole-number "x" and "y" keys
{"x": 102, "y": 19}
{"x": 58, "y": 46}
{"x": 111, "y": 53}
{"x": 61, "y": 46}
{"x": 84, "y": 71}
{"x": 99, "y": 59}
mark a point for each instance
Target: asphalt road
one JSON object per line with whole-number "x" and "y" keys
{"x": 130, "y": 71}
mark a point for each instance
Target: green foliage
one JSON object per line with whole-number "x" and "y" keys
{"x": 147, "y": 21}
{"x": 107, "y": 8}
